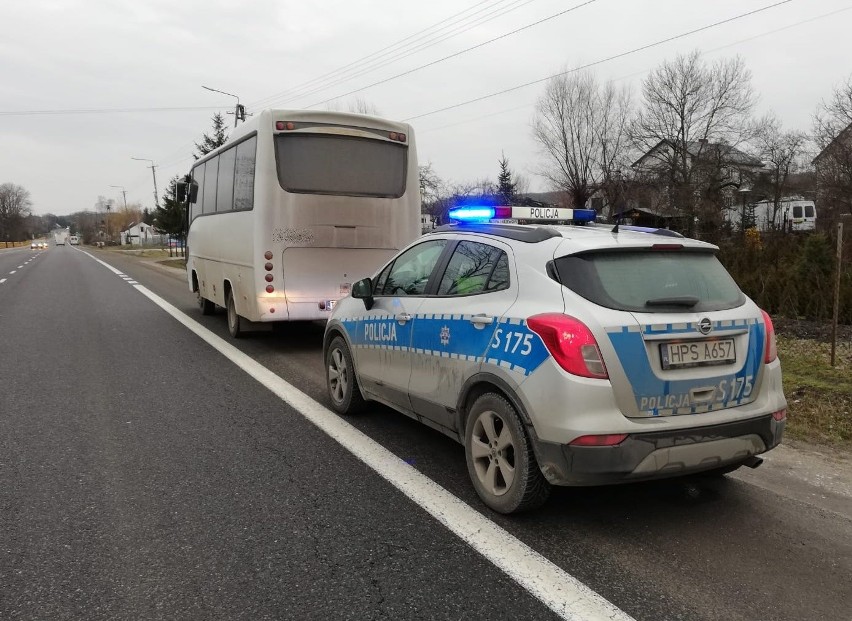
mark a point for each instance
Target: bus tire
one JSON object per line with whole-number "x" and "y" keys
{"x": 340, "y": 378}
{"x": 207, "y": 307}
{"x": 234, "y": 320}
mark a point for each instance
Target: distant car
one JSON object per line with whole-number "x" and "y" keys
{"x": 74, "y": 240}
{"x": 42, "y": 245}
{"x": 563, "y": 355}
{"x": 34, "y": 245}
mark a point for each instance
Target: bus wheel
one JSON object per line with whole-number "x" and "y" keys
{"x": 207, "y": 307}
{"x": 340, "y": 378}
{"x": 234, "y": 320}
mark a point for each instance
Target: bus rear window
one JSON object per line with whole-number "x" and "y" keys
{"x": 326, "y": 164}
{"x": 650, "y": 281}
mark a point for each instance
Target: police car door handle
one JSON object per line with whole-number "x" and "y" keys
{"x": 402, "y": 317}
{"x": 480, "y": 321}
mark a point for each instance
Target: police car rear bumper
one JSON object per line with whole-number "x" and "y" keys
{"x": 656, "y": 455}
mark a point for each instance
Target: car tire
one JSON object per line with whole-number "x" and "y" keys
{"x": 207, "y": 307}
{"x": 235, "y": 322}
{"x": 340, "y": 378}
{"x": 500, "y": 458}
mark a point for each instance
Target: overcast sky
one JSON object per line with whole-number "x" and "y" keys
{"x": 58, "y": 57}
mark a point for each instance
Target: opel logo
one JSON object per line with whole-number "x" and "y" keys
{"x": 704, "y": 326}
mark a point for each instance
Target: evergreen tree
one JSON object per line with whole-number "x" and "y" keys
{"x": 213, "y": 140}
{"x": 169, "y": 216}
{"x": 147, "y": 216}
{"x": 505, "y": 182}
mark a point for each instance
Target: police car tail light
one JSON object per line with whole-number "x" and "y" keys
{"x": 770, "y": 353}
{"x": 571, "y": 344}
{"x": 610, "y": 439}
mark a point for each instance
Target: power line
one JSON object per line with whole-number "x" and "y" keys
{"x": 599, "y": 62}
{"x": 105, "y": 110}
{"x": 383, "y": 51}
{"x": 459, "y": 53}
{"x": 440, "y": 38}
{"x": 636, "y": 73}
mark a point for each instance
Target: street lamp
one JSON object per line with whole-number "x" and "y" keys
{"x": 153, "y": 172}
{"x": 123, "y": 191}
{"x": 239, "y": 111}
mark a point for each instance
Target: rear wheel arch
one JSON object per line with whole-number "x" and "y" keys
{"x": 477, "y": 386}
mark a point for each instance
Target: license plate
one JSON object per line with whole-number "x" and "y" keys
{"x": 697, "y": 353}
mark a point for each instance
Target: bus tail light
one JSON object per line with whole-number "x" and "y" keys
{"x": 268, "y": 255}
{"x": 269, "y": 277}
{"x": 268, "y": 267}
{"x": 270, "y": 288}
{"x": 779, "y": 415}
{"x": 770, "y": 353}
{"x": 282, "y": 125}
{"x": 571, "y": 344}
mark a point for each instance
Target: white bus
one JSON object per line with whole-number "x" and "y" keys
{"x": 295, "y": 207}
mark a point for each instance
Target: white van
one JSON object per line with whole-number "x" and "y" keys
{"x": 74, "y": 240}
{"x": 794, "y": 214}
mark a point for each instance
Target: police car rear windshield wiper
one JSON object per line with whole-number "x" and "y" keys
{"x": 687, "y": 301}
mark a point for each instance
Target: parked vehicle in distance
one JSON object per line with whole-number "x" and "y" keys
{"x": 563, "y": 355}
{"x": 295, "y": 207}
{"x": 794, "y": 214}
{"x": 74, "y": 240}
{"x": 60, "y": 237}
{"x": 34, "y": 245}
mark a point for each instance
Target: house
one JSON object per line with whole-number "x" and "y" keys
{"x": 833, "y": 167}
{"x": 692, "y": 184}
{"x": 141, "y": 234}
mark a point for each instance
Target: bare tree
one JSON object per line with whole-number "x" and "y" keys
{"x": 15, "y": 206}
{"x": 781, "y": 152}
{"x": 359, "y": 105}
{"x": 693, "y": 114}
{"x": 581, "y": 128}
{"x": 832, "y": 134}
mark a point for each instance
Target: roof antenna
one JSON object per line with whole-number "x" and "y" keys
{"x": 617, "y": 222}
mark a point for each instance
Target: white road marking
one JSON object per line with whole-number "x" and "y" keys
{"x": 555, "y": 588}
{"x": 2, "y": 280}
{"x": 20, "y": 267}
{"x": 13, "y": 271}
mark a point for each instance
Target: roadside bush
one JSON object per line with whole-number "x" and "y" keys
{"x": 788, "y": 275}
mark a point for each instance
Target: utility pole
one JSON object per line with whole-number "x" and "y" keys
{"x": 153, "y": 168}
{"x": 124, "y": 192}
{"x": 239, "y": 111}
{"x": 838, "y": 269}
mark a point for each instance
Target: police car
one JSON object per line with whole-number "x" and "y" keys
{"x": 563, "y": 355}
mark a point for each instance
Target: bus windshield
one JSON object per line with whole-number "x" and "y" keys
{"x": 326, "y": 164}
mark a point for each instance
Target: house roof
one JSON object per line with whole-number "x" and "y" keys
{"x": 835, "y": 140}
{"x": 696, "y": 148}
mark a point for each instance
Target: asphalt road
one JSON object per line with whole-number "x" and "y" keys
{"x": 144, "y": 475}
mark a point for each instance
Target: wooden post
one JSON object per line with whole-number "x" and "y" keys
{"x": 838, "y": 271}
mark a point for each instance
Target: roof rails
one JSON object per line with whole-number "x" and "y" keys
{"x": 516, "y": 232}
{"x": 646, "y": 229}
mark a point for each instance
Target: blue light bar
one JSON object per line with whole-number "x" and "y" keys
{"x": 584, "y": 215}
{"x": 471, "y": 214}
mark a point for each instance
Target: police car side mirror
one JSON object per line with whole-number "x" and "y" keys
{"x": 363, "y": 290}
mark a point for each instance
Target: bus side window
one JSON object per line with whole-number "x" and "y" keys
{"x": 225, "y": 191}
{"x": 244, "y": 174}
{"x": 210, "y": 180}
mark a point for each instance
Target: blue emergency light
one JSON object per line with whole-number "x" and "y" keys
{"x": 584, "y": 215}
{"x": 471, "y": 214}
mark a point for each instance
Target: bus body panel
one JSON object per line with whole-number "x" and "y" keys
{"x": 319, "y": 243}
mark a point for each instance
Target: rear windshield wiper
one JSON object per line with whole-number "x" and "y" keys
{"x": 685, "y": 300}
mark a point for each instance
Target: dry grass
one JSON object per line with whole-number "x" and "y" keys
{"x": 819, "y": 396}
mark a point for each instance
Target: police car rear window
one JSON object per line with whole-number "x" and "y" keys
{"x": 650, "y": 281}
